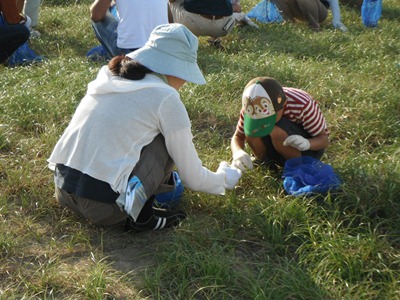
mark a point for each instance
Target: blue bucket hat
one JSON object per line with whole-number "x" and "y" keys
{"x": 171, "y": 50}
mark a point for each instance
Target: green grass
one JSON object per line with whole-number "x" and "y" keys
{"x": 254, "y": 243}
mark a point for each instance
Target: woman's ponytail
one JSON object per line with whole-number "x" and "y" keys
{"x": 125, "y": 67}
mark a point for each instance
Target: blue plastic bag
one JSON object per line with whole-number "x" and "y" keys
{"x": 307, "y": 176}
{"x": 265, "y": 12}
{"x": 371, "y": 11}
{"x": 171, "y": 199}
{"x": 114, "y": 12}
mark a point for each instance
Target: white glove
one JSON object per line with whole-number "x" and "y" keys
{"x": 336, "y": 21}
{"x": 232, "y": 175}
{"x": 239, "y": 16}
{"x": 241, "y": 160}
{"x": 242, "y": 18}
{"x": 298, "y": 142}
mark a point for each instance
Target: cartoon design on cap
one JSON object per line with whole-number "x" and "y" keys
{"x": 259, "y": 111}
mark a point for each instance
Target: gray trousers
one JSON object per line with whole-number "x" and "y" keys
{"x": 153, "y": 169}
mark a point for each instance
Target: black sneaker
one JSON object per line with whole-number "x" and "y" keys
{"x": 161, "y": 219}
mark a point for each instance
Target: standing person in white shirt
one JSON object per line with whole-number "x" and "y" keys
{"x": 129, "y": 132}
{"x": 136, "y": 20}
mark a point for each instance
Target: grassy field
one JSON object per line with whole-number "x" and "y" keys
{"x": 254, "y": 243}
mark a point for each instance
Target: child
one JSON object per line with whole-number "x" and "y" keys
{"x": 277, "y": 123}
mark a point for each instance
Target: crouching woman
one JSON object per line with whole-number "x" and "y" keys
{"x": 129, "y": 132}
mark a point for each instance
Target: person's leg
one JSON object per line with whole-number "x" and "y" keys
{"x": 176, "y": 12}
{"x": 31, "y": 9}
{"x": 11, "y": 38}
{"x": 288, "y": 8}
{"x": 98, "y": 213}
{"x": 278, "y": 136}
{"x": 281, "y": 131}
{"x": 313, "y": 12}
{"x": 154, "y": 167}
{"x": 257, "y": 146}
{"x": 154, "y": 170}
{"x": 106, "y": 33}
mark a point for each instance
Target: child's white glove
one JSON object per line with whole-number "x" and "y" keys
{"x": 241, "y": 160}
{"x": 298, "y": 142}
{"x": 232, "y": 175}
{"x": 336, "y": 20}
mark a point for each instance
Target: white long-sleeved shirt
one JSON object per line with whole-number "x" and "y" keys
{"x": 117, "y": 118}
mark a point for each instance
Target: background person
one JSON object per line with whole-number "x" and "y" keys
{"x": 136, "y": 20}
{"x": 314, "y": 12}
{"x": 278, "y": 123}
{"x": 129, "y": 132}
{"x": 213, "y": 18}
{"x": 14, "y": 29}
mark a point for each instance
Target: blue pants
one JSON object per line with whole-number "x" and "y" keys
{"x": 11, "y": 38}
{"x": 106, "y": 33}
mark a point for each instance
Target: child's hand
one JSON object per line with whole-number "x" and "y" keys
{"x": 298, "y": 142}
{"x": 242, "y": 161}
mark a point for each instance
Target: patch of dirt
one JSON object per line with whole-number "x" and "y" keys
{"x": 131, "y": 251}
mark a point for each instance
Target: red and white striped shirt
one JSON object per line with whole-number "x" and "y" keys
{"x": 300, "y": 108}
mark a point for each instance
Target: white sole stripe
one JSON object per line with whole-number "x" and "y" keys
{"x": 160, "y": 223}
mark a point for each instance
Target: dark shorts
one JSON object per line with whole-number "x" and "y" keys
{"x": 273, "y": 157}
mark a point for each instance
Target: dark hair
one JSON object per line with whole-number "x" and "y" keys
{"x": 128, "y": 68}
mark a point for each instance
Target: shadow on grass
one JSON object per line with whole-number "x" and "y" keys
{"x": 66, "y": 2}
{"x": 372, "y": 199}
{"x": 392, "y": 14}
{"x": 58, "y": 43}
{"x": 130, "y": 251}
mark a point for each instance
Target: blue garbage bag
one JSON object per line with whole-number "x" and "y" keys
{"x": 114, "y": 12}
{"x": 308, "y": 176}
{"x": 371, "y": 11}
{"x": 24, "y": 55}
{"x": 265, "y": 12}
{"x": 170, "y": 199}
